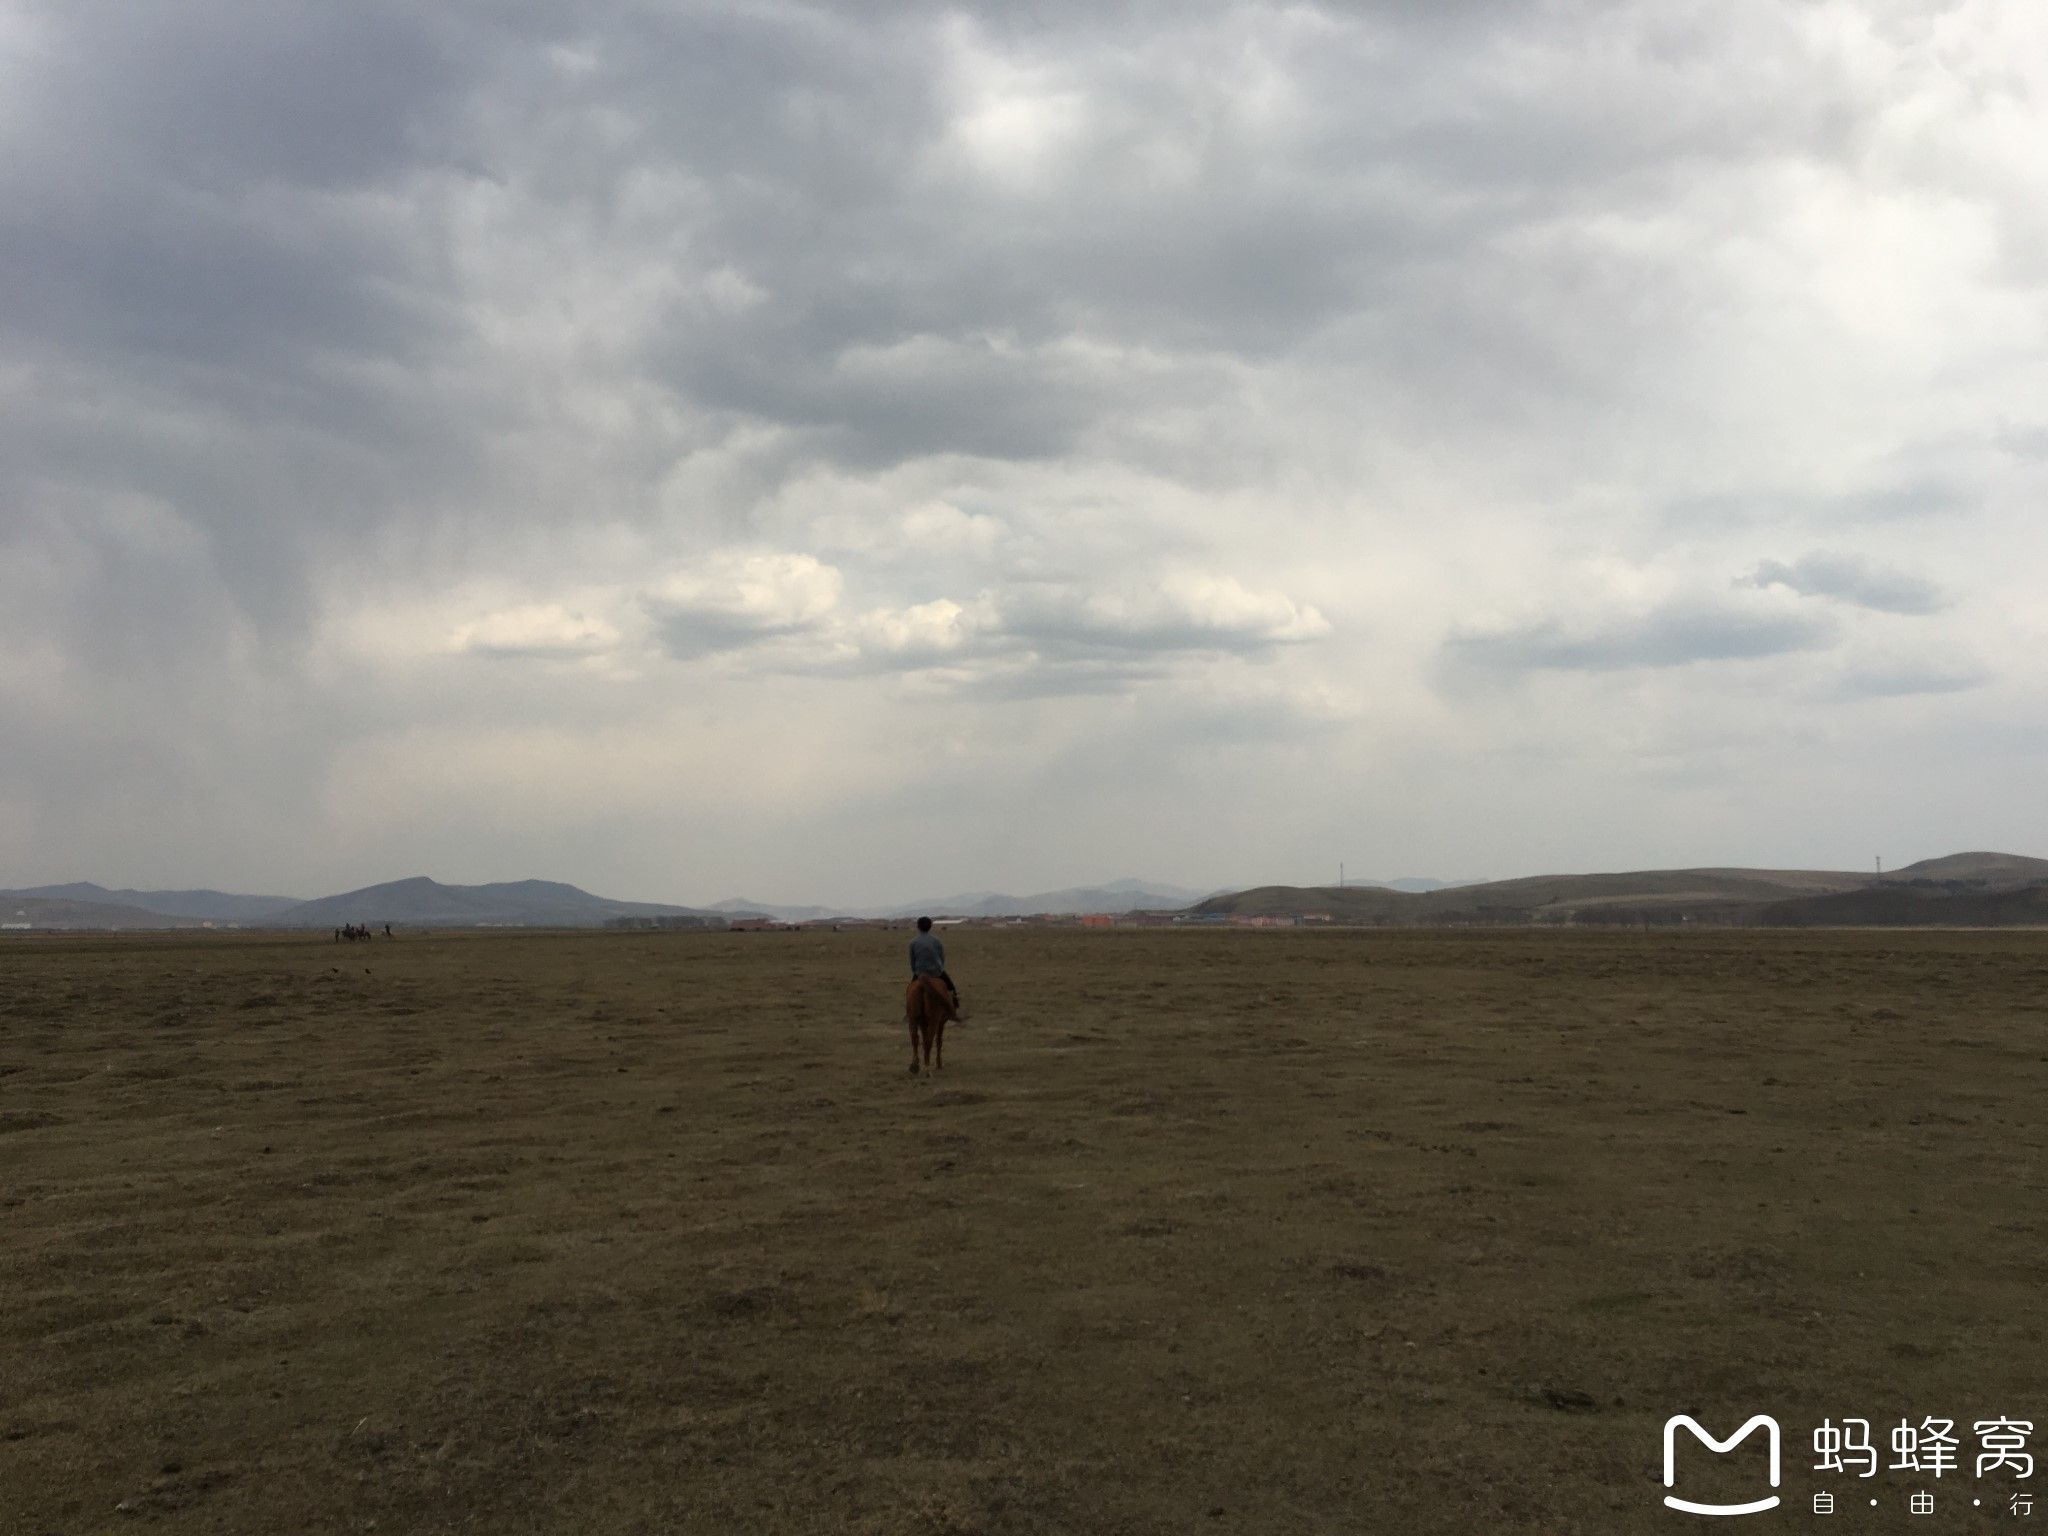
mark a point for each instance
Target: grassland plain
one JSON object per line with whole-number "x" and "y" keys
{"x": 1249, "y": 1232}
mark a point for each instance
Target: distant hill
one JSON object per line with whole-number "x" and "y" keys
{"x": 57, "y": 912}
{"x": 421, "y": 902}
{"x": 1913, "y": 894}
{"x": 1364, "y": 897}
{"x": 1989, "y": 869}
{"x": 1346, "y": 903}
{"x": 1117, "y": 896}
{"x": 1540, "y": 893}
{"x": 1915, "y": 905}
{"x": 213, "y": 906}
{"x": 739, "y": 906}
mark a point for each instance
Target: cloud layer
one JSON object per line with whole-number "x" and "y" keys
{"x": 1852, "y": 580}
{"x": 695, "y": 448}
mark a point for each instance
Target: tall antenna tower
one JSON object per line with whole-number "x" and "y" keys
{"x": 1340, "y": 874}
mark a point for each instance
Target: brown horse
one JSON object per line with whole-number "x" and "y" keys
{"x": 928, "y": 1007}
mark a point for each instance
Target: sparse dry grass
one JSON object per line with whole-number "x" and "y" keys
{"x": 1198, "y": 1232}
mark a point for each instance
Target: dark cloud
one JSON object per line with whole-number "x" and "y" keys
{"x": 1910, "y": 680}
{"x": 1852, "y": 579}
{"x": 2024, "y": 442}
{"x": 920, "y": 396}
{"x": 225, "y": 93}
{"x": 184, "y": 191}
{"x": 1887, "y": 501}
{"x": 1674, "y": 635}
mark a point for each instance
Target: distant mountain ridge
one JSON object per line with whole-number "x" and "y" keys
{"x": 424, "y": 902}
{"x": 1118, "y": 896}
{"x": 1415, "y": 883}
{"x": 415, "y": 902}
{"x": 739, "y": 906}
{"x": 1940, "y": 890}
{"x": 1991, "y": 869}
{"x": 420, "y": 901}
{"x": 1954, "y": 889}
{"x": 212, "y": 906}
{"x": 23, "y": 911}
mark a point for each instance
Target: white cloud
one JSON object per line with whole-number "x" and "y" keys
{"x": 1045, "y": 638}
{"x": 938, "y": 526}
{"x": 1182, "y": 613}
{"x": 534, "y": 630}
{"x": 925, "y": 634}
{"x": 732, "y": 600}
{"x": 1009, "y": 120}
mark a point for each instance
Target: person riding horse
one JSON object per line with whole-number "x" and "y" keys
{"x": 932, "y": 1000}
{"x": 928, "y": 957}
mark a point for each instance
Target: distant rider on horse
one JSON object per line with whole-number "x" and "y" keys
{"x": 931, "y": 1000}
{"x": 928, "y": 957}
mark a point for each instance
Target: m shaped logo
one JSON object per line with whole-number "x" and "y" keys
{"x": 1671, "y": 1427}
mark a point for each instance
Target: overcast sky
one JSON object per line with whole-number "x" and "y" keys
{"x": 852, "y": 453}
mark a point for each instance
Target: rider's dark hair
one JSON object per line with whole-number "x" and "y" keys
{"x": 924, "y": 925}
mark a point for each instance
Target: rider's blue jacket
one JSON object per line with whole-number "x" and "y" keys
{"x": 927, "y": 955}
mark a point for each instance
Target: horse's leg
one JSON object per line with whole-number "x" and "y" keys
{"x": 939, "y": 1037}
{"x": 912, "y": 1018}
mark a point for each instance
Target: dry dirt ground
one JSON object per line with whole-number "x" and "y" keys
{"x": 1231, "y": 1232}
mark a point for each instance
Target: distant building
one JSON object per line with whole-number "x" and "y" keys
{"x": 1098, "y": 920}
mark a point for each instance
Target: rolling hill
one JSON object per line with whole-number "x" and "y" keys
{"x": 417, "y": 902}
{"x": 422, "y": 902}
{"x": 1991, "y": 870}
{"x": 740, "y": 907}
{"x": 209, "y": 906}
{"x": 60, "y": 912}
{"x": 1915, "y": 905}
{"x": 1117, "y": 896}
{"x": 1964, "y": 889}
